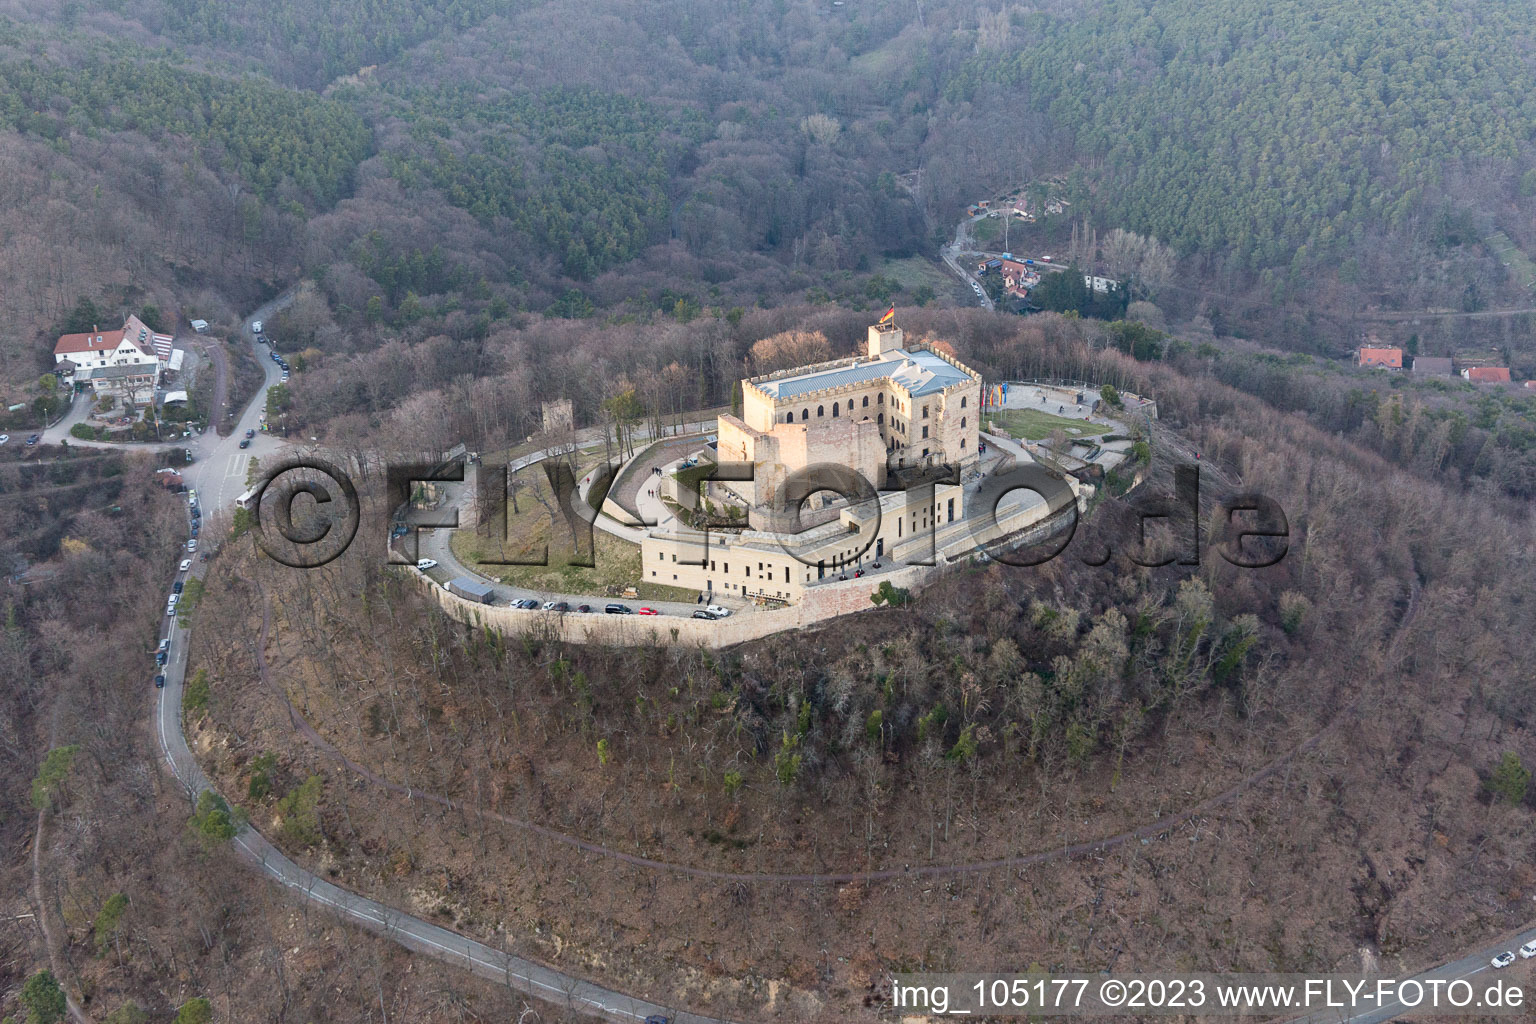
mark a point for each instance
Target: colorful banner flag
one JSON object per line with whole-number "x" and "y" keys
{"x": 890, "y": 315}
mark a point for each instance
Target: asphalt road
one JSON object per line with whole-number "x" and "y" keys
{"x": 951, "y": 254}
{"x": 1475, "y": 968}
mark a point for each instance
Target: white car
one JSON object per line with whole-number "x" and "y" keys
{"x": 1528, "y": 950}
{"x": 4, "y": 438}
{"x": 549, "y": 606}
{"x": 426, "y": 563}
{"x": 1504, "y": 959}
{"x": 186, "y": 563}
{"x": 255, "y": 326}
{"x": 192, "y": 544}
{"x": 717, "y": 610}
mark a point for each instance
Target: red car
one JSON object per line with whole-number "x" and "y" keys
{"x": 649, "y": 611}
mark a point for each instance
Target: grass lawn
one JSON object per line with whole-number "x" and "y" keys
{"x": 1520, "y": 266}
{"x": 915, "y": 271}
{"x": 1034, "y": 425}
{"x": 529, "y": 531}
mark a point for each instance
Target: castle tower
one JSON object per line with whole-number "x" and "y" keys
{"x": 883, "y": 338}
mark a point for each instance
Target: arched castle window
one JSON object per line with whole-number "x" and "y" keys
{"x": 866, "y": 401}
{"x": 805, "y": 414}
{"x": 834, "y": 409}
{"x": 962, "y": 422}
{"x": 821, "y": 411}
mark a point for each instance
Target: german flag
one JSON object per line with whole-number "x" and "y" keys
{"x": 890, "y": 315}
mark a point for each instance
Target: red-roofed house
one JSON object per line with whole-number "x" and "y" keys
{"x": 1486, "y": 374}
{"x": 115, "y": 359}
{"x": 1387, "y": 358}
{"x": 1018, "y": 278}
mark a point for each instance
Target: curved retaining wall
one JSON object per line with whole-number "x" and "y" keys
{"x": 821, "y": 603}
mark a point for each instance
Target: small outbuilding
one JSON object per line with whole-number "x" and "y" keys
{"x": 470, "y": 590}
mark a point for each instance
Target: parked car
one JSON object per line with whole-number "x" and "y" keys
{"x": 165, "y": 644}
{"x": 195, "y": 526}
{"x": 1504, "y": 959}
{"x": 186, "y": 563}
{"x": 34, "y": 439}
{"x": 160, "y": 680}
{"x": 4, "y": 438}
{"x": 584, "y": 608}
{"x": 177, "y": 587}
{"x": 549, "y": 606}
{"x": 702, "y": 613}
{"x": 649, "y": 611}
{"x": 426, "y": 563}
{"x": 619, "y": 609}
{"x": 657, "y": 1018}
{"x": 1528, "y": 950}
{"x": 562, "y": 606}
{"x": 255, "y": 326}
{"x": 245, "y": 442}
{"x": 172, "y": 600}
{"x": 161, "y": 657}
{"x": 526, "y": 602}
{"x": 192, "y": 544}
{"x": 719, "y": 611}
{"x": 250, "y": 433}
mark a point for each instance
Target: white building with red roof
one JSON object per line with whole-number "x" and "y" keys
{"x": 115, "y": 360}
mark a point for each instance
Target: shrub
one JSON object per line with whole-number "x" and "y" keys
{"x": 195, "y": 696}
{"x": 300, "y": 810}
{"x": 195, "y": 1011}
{"x": 43, "y": 998}
{"x": 1510, "y": 779}
{"x": 213, "y": 821}
{"x": 1293, "y": 611}
{"x": 51, "y": 774}
{"x": 107, "y": 921}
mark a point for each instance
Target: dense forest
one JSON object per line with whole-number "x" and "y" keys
{"x": 1279, "y": 134}
{"x": 633, "y": 161}
{"x": 266, "y": 136}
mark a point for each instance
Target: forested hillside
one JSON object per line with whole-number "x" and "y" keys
{"x": 443, "y": 168}
{"x": 1279, "y": 133}
{"x": 267, "y": 136}
{"x": 582, "y": 174}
